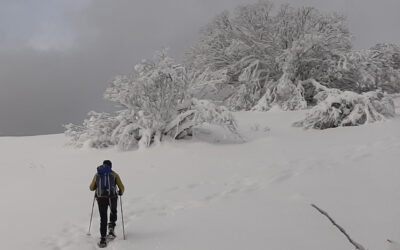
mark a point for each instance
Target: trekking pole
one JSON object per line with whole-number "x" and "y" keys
{"x": 91, "y": 216}
{"x": 122, "y": 216}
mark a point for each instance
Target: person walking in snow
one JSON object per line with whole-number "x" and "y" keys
{"x": 104, "y": 183}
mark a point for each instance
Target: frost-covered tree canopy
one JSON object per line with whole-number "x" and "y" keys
{"x": 155, "y": 102}
{"x": 248, "y": 52}
{"x": 256, "y": 57}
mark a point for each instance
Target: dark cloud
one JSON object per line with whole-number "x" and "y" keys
{"x": 56, "y": 57}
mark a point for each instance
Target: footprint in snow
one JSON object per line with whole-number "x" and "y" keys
{"x": 192, "y": 186}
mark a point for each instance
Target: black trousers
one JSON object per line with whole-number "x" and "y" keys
{"x": 103, "y": 207}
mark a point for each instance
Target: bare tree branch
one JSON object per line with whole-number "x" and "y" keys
{"x": 355, "y": 244}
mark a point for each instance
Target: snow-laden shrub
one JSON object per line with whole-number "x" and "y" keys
{"x": 348, "y": 109}
{"x": 155, "y": 102}
{"x": 96, "y": 131}
{"x": 197, "y": 112}
{"x": 127, "y": 134}
{"x": 285, "y": 94}
{"x": 153, "y": 91}
{"x": 211, "y": 85}
{"x": 253, "y": 80}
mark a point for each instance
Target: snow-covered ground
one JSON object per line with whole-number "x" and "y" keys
{"x": 213, "y": 192}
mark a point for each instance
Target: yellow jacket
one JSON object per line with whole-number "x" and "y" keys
{"x": 118, "y": 181}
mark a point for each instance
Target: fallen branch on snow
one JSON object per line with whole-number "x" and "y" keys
{"x": 393, "y": 245}
{"x": 355, "y": 244}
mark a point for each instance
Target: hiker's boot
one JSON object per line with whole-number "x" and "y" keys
{"x": 111, "y": 233}
{"x": 103, "y": 242}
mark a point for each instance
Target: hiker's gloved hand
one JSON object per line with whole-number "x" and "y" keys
{"x": 119, "y": 192}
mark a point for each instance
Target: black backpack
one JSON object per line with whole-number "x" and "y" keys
{"x": 105, "y": 181}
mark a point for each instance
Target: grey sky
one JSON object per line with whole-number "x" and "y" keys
{"x": 56, "y": 57}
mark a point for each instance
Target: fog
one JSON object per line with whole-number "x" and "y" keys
{"x": 57, "y": 57}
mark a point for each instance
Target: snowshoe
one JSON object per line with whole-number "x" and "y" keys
{"x": 111, "y": 234}
{"x": 103, "y": 242}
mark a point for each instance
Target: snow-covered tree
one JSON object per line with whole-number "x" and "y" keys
{"x": 257, "y": 46}
{"x": 385, "y": 59}
{"x": 155, "y": 102}
{"x": 366, "y": 70}
{"x": 152, "y": 93}
{"x": 310, "y": 58}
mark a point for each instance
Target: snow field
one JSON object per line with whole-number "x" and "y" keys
{"x": 212, "y": 192}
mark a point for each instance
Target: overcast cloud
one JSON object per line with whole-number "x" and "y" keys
{"x": 57, "y": 57}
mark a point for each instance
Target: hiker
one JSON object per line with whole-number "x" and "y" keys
{"x": 105, "y": 182}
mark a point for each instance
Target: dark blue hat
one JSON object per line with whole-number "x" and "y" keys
{"x": 107, "y": 163}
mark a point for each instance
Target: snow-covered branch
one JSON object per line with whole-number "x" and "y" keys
{"x": 336, "y": 108}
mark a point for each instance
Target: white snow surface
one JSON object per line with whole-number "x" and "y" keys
{"x": 212, "y": 192}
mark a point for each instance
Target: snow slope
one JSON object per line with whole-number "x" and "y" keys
{"x": 213, "y": 192}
